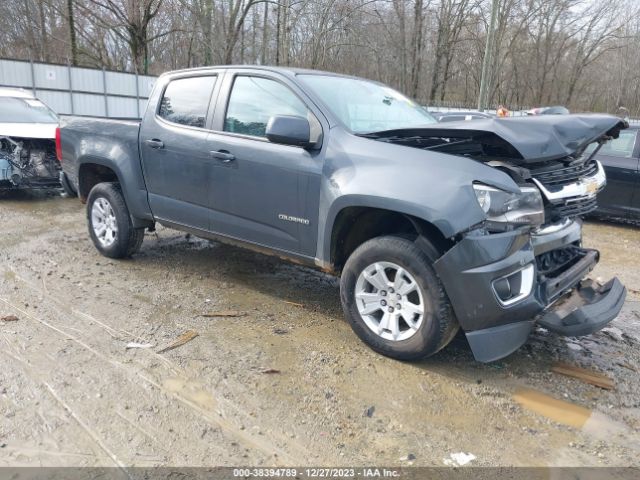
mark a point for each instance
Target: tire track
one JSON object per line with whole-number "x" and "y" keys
{"x": 266, "y": 446}
{"x": 58, "y": 399}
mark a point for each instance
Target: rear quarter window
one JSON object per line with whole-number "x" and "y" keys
{"x": 186, "y": 100}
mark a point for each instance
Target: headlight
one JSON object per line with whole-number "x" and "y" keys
{"x": 503, "y": 207}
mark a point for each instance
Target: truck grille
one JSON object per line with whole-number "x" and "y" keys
{"x": 573, "y": 207}
{"x": 558, "y": 174}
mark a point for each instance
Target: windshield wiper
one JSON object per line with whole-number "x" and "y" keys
{"x": 451, "y": 144}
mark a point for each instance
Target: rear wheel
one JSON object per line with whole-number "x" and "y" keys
{"x": 110, "y": 224}
{"x": 394, "y": 300}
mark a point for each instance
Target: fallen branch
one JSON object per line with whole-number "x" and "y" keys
{"x": 181, "y": 340}
{"x": 587, "y": 376}
{"x": 294, "y": 304}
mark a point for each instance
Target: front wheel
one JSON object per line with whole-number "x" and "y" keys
{"x": 394, "y": 300}
{"x": 110, "y": 224}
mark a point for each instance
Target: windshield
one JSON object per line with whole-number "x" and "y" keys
{"x": 366, "y": 107}
{"x": 25, "y": 110}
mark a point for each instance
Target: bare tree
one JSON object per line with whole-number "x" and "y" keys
{"x": 235, "y": 14}
{"x": 417, "y": 46}
{"x": 72, "y": 33}
{"x": 130, "y": 21}
{"x": 577, "y": 52}
{"x": 593, "y": 39}
{"x": 451, "y": 18}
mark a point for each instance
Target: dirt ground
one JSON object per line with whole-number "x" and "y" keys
{"x": 286, "y": 384}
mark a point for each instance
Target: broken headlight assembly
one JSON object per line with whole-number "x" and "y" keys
{"x": 506, "y": 209}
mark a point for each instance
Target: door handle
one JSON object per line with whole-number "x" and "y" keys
{"x": 223, "y": 155}
{"x": 155, "y": 143}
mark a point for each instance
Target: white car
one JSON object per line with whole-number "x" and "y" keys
{"x": 28, "y": 129}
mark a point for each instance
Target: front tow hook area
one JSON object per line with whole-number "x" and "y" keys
{"x": 587, "y": 309}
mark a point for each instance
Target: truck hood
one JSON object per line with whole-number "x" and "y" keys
{"x": 519, "y": 139}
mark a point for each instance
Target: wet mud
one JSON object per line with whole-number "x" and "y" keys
{"x": 286, "y": 382}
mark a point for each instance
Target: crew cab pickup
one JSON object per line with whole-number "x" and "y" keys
{"x": 431, "y": 227}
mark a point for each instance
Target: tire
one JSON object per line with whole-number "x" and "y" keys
{"x": 67, "y": 187}
{"x": 106, "y": 208}
{"x": 430, "y": 331}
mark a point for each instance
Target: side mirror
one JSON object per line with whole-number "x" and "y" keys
{"x": 289, "y": 130}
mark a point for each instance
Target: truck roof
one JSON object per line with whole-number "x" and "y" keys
{"x": 290, "y": 71}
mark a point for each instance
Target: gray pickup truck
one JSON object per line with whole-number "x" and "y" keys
{"x": 431, "y": 227}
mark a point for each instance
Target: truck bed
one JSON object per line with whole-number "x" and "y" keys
{"x": 89, "y": 142}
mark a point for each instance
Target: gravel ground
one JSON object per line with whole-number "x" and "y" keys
{"x": 286, "y": 384}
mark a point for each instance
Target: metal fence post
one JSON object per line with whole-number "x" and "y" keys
{"x": 70, "y": 88}
{"x": 104, "y": 89}
{"x": 33, "y": 77}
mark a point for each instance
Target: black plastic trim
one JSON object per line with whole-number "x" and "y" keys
{"x": 493, "y": 343}
{"x": 555, "y": 286}
{"x": 586, "y": 309}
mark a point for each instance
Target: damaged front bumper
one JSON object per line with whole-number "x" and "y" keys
{"x": 587, "y": 309}
{"x": 501, "y": 284}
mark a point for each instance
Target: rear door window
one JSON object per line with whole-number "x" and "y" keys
{"x": 186, "y": 101}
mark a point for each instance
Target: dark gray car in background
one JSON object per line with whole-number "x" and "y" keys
{"x": 620, "y": 199}
{"x": 432, "y": 227}
{"x": 460, "y": 116}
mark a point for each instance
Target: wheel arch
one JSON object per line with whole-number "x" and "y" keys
{"x": 90, "y": 173}
{"x": 354, "y": 225}
{"x": 93, "y": 170}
